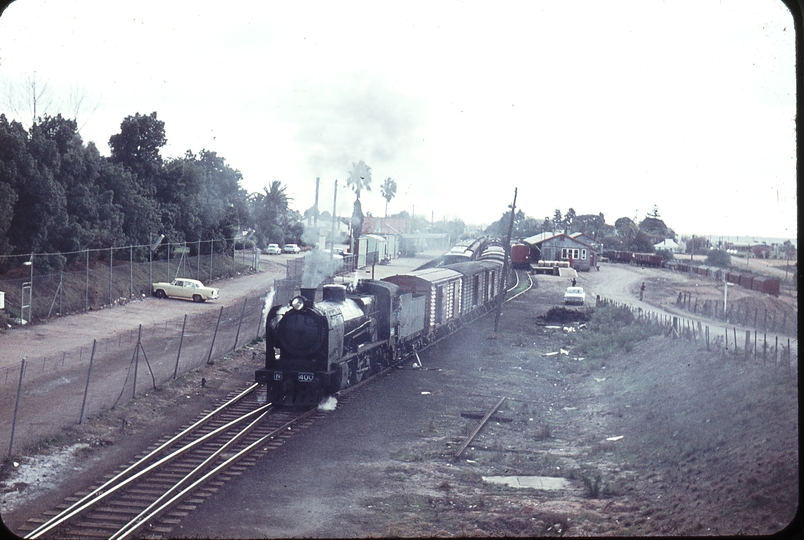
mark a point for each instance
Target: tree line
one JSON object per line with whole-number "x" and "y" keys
{"x": 625, "y": 234}
{"x": 61, "y": 195}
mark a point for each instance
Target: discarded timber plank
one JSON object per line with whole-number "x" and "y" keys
{"x": 477, "y": 429}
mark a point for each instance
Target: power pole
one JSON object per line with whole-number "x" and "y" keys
{"x": 504, "y": 285}
{"x": 334, "y": 201}
{"x": 315, "y": 208}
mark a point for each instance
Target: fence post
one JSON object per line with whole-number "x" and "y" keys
{"x": 736, "y": 348}
{"x": 136, "y": 362}
{"x": 86, "y": 290}
{"x": 212, "y": 345}
{"x": 181, "y": 340}
{"x": 747, "y": 343}
{"x": 242, "y": 313}
{"x": 86, "y": 387}
{"x": 776, "y": 352}
{"x": 16, "y": 407}
{"x": 789, "y": 356}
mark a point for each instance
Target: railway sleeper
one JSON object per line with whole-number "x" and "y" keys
{"x": 105, "y": 511}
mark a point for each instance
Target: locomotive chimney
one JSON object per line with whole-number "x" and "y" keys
{"x": 309, "y": 294}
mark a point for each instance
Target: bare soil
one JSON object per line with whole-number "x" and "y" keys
{"x": 666, "y": 438}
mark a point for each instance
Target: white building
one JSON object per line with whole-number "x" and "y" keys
{"x": 669, "y": 244}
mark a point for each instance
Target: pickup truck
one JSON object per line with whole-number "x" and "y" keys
{"x": 190, "y": 289}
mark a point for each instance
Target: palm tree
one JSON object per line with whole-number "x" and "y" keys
{"x": 276, "y": 201}
{"x": 359, "y": 179}
{"x": 271, "y": 211}
{"x": 388, "y": 191}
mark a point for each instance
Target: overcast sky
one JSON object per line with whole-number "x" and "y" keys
{"x": 602, "y": 106}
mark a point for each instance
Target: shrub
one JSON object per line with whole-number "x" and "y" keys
{"x": 718, "y": 257}
{"x": 611, "y": 330}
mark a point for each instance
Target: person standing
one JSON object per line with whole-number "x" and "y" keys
{"x": 642, "y": 290}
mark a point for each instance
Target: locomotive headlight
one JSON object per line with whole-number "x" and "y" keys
{"x": 297, "y": 303}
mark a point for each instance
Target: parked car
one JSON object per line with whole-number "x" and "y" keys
{"x": 190, "y": 289}
{"x": 574, "y": 295}
{"x": 291, "y": 248}
{"x": 273, "y": 249}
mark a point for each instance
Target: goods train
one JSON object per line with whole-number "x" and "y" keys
{"x": 642, "y": 259}
{"x": 326, "y": 346}
{"x": 767, "y": 285}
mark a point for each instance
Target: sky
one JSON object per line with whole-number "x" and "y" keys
{"x": 601, "y": 106}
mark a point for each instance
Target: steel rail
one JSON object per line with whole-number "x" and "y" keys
{"x": 113, "y": 484}
{"x": 137, "y": 521}
{"x": 211, "y": 474}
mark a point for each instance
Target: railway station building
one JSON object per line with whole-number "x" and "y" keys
{"x": 561, "y": 247}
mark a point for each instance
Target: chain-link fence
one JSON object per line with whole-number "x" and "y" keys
{"x": 41, "y": 396}
{"x": 94, "y": 278}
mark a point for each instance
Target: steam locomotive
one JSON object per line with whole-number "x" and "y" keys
{"x": 315, "y": 349}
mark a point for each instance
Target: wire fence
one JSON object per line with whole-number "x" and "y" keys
{"x": 744, "y": 344}
{"x": 741, "y": 312}
{"x": 95, "y": 278}
{"x": 108, "y": 372}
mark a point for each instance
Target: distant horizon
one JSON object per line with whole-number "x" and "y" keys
{"x": 742, "y": 238}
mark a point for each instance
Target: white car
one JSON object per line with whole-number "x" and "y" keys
{"x": 190, "y": 289}
{"x": 273, "y": 249}
{"x": 291, "y": 248}
{"x": 574, "y": 295}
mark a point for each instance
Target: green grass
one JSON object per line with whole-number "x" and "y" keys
{"x": 611, "y": 330}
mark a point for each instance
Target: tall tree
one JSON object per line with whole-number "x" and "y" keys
{"x": 270, "y": 212}
{"x": 569, "y": 219}
{"x": 359, "y": 179}
{"x": 388, "y": 191}
{"x": 137, "y": 148}
{"x": 557, "y": 218}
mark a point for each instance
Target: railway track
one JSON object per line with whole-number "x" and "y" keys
{"x": 150, "y": 495}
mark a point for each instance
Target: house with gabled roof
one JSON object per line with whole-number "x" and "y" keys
{"x": 669, "y": 244}
{"x": 549, "y": 246}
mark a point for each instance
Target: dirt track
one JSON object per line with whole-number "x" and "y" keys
{"x": 73, "y": 331}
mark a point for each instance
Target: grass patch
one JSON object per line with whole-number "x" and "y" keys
{"x": 611, "y": 330}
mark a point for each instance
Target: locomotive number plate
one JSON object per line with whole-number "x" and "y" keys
{"x": 306, "y": 377}
{"x": 277, "y": 375}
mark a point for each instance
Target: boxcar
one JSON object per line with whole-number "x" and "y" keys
{"x": 520, "y": 256}
{"x": 479, "y": 284}
{"x": 493, "y": 253}
{"x": 746, "y": 281}
{"x": 441, "y": 288}
{"x": 765, "y": 284}
{"x": 733, "y": 277}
